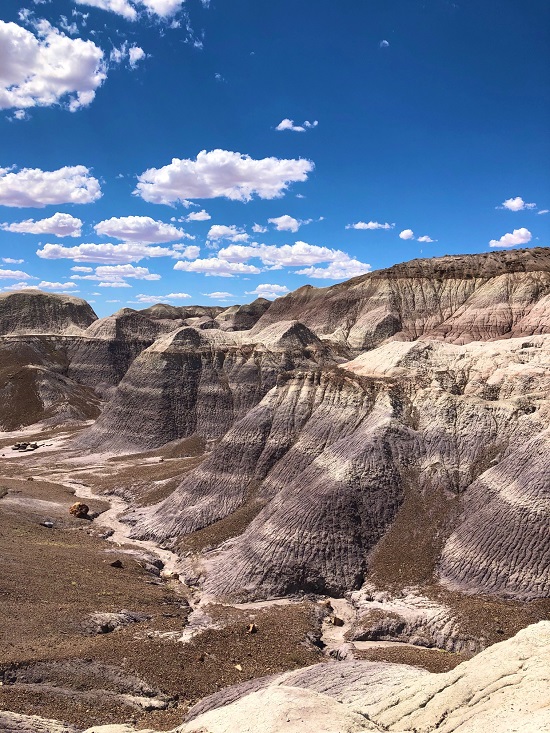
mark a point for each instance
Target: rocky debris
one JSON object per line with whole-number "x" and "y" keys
{"x": 36, "y": 312}
{"x": 458, "y": 299}
{"x": 79, "y": 510}
{"x": 15, "y": 723}
{"x": 105, "y": 623}
{"x": 504, "y": 688}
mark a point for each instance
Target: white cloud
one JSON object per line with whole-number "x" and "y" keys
{"x": 218, "y": 232}
{"x": 259, "y": 229}
{"x": 369, "y": 225}
{"x": 129, "y": 10}
{"x": 20, "y": 286}
{"x": 287, "y": 124}
{"x": 113, "y": 276}
{"x": 45, "y": 285}
{"x": 407, "y": 234}
{"x": 286, "y": 223}
{"x": 341, "y": 270}
{"x": 160, "y": 298}
{"x": 221, "y": 173}
{"x": 61, "y": 225}
{"x": 135, "y": 55}
{"x": 114, "y": 253}
{"x": 544, "y": 211}
{"x": 11, "y": 261}
{"x": 141, "y": 229}
{"x": 268, "y": 290}
{"x": 201, "y": 215}
{"x": 82, "y": 269}
{"x": 216, "y": 266}
{"x": 516, "y": 204}
{"x": 14, "y": 275}
{"x": 218, "y": 295}
{"x": 47, "y": 68}
{"x": 425, "y": 238}
{"x": 518, "y": 236}
{"x": 288, "y": 255}
{"x": 384, "y": 44}
{"x": 37, "y": 188}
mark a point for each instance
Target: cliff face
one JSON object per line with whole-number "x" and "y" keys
{"x": 35, "y": 312}
{"x": 456, "y": 299}
{"x": 194, "y": 381}
{"x": 326, "y": 458}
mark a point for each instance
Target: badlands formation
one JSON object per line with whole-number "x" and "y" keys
{"x": 325, "y": 513}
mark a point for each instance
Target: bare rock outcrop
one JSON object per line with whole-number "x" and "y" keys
{"x": 327, "y": 457}
{"x": 195, "y": 381}
{"x": 36, "y": 312}
{"x": 458, "y": 299}
{"x": 503, "y": 689}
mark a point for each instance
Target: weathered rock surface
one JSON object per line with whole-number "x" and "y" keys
{"x": 199, "y": 382}
{"x": 328, "y": 456}
{"x": 504, "y": 689}
{"x": 35, "y": 312}
{"x": 458, "y": 299}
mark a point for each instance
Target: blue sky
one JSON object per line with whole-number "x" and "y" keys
{"x": 139, "y": 141}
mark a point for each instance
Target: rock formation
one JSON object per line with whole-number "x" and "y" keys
{"x": 35, "y": 312}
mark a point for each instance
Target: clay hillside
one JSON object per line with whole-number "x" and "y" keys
{"x": 353, "y": 480}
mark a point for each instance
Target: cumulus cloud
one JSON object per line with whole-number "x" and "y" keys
{"x": 141, "y": 229}
{"x": 37, "y": 188}
{"x": 201, "y": 215}
{"x": 269, "y": 290}
{"x": 47, "y": 68}
{"x": 115, "y": 276}
{"x": 14, "y": 275}
{"x": 287, "y": 124}
{"x": 384, "y": 44}
{"x": 12, "y": 261}
{"x": 221, "y": 173}
{"x": 216, "y": 266}
{"x": 288, "y": 255}
{"x": 61, "y": 225}
{"x": 130, "y": 10}
{"x": 218, "y": 295}
{"x": 406, "y": 234}
{"x": 46, "y": 285}
{"x": 161, "y": 298}
{"x": 218, "y": 232}
{"x": 113, "y": 253}
{"x": 516, "y": 204}
{"x": 339, "y": 270}
{"x": 518, "y": 236}
{"x": 425, "y": 238}
{"x": 259, "y": 229}
{"x": 78, "y": 268}
{"x": 286, "y": 223}
{"x": 135, "y": 54}
{"x": 369, "y": 225}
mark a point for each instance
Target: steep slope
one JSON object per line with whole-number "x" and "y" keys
{"x": 458, "y": 299}
{"x": 35, "y": 312}
{"x": 327, "y": 457}
{"x": 195, "y": 381}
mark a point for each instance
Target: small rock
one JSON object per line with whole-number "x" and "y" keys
{"x": 116, "y": 564}
{"x": 49, "y": 525}
{"x": 251, "y": 629}
{"x": 238, "y": 667}
{"x": 79, "y": 510}
{"x": 30, "y": 478}
{"x": 336, "y": 621}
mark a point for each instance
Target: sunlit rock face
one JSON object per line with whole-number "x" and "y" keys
{"x": 327, "y": 457}
{"x": 196, "y": 381}
{"x": 35, "y": 312}
{"x": 458, "y": 299}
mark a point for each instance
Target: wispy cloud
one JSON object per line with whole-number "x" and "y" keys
{"x": 287, "y": 124}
